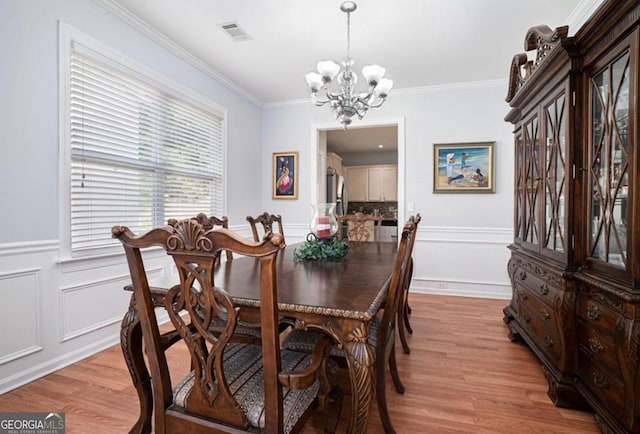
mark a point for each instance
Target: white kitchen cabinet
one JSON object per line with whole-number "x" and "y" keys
{"x": 383, "y": 183}
{"x": 372, "y": 183}
{"x": 358, "y": 184}
{"x": 335, "y": 161}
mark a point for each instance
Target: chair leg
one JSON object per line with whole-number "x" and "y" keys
{"x": 381, "y": 398}
{"x": 132, "y": 349}
{"x": 393, "y": 367}
{"x": 407, "y": 310}
{"x": 401, "y": 323}
{"x": 333, "y": 410}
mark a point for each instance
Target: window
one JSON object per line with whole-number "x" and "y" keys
{"x": 138, "y": 151}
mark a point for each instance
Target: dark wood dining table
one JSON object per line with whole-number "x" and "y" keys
{"x": 339, "y": 297}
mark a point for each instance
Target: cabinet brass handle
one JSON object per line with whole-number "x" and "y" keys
{"x": 600, "y": 380}
{"x": 522, "y": 275}
{"x": 593, "y": 313}
{"x": 524, "y": 296}
{"x": 548, "y": 341}
{"x": 595, "y": 345}
{"x": 544, "y": 289}
{"x": 526, "y": 318}
{"x": 544, "y": 314}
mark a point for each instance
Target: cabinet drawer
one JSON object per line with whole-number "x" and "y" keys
{"x": 537, "y": 307}
{"x": 598, "y": 345}
{"x": 540, "y": 287}
{"x": 605, "y": 387}
{"x": 539, "y": 322}
{"x": 597, "y": 315}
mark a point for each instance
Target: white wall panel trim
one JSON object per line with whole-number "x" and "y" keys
{"x": 16, "y": 273}
{"x": 19, "y": 354}
{"x": 28, "y": 247}
{"x": 65, "y": 311}
{"x": 32, "y": 318}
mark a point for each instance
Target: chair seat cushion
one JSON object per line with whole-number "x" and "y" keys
{"x": 305, "y": 341}
{"x": 243, "y": 371}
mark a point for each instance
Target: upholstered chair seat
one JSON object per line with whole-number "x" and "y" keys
{"x": 242, "y": 365}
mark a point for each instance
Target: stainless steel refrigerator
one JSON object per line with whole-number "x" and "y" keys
{"x": 337, "y": 191}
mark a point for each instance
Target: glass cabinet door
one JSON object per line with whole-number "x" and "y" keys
{"x": 531, "y": 180}
{"x": 609, "y": 162}
{"x": 520, "y": 187}
{"x": 555, "y": 151}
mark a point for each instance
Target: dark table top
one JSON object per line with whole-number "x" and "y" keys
{"x": 351, "y": 287}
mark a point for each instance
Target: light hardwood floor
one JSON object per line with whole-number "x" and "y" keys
{"x": 462, "y": 376}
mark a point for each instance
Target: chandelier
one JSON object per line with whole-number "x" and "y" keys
{"x": 346, "y": 103}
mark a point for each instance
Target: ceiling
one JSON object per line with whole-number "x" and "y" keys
{"x": 369, "y": 139}
{"x": 420, "y": 42}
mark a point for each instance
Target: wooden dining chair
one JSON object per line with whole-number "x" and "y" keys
{"x": 266, "y": 220}
{"x": 404, "y": 310}
{"x": 231, "y": 387}
{"x": 361, "y": 227}
{"x": 381, "y": 331}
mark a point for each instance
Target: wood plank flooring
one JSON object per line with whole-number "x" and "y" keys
{"x": 462, "y": 376}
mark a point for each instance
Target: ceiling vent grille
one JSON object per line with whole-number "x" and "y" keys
{"x": 234, "y": 31}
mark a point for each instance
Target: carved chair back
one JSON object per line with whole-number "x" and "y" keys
{"x": 360, "y": 226}
{"x": 403, "y": 306}
{"x": 213, "y": 222}
{"x": 266, "y": 220}
{"x": 207, "y": 400}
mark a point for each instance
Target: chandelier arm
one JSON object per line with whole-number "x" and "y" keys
{"x": 379, "y": 104}
{"x": 318, "y": 102}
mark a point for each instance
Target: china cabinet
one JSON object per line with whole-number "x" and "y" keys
{"x": 575, "y": 258}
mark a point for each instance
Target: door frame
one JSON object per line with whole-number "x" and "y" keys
{"x": 318, "y": 128}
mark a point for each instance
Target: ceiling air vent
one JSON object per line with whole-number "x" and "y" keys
{"x": 234, "y": 31}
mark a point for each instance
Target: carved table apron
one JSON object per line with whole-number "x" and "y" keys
{"x": 339, "y": 297}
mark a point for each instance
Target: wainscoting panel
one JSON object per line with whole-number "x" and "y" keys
{"x": 93, "y": 305}
{"x": 469, "y": 262}
{"x": 20, "y": 295}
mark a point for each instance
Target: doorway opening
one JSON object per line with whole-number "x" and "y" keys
{"x": 359, "y": 146}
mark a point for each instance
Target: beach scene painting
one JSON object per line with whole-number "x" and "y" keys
{"x": 463, "y": 168}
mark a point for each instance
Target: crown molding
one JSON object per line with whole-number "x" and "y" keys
{"x": 408, "y": 91}
{"x": 581, "y": 14}
{"x": 131, "y": 19}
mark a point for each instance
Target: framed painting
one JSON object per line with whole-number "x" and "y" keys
{"x": 464, "y": 168}
{"x": 285, "y": 175}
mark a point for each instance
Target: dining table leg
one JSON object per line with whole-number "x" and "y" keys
{"x": 360, "y": 361}
{"x": 132, "y": 349}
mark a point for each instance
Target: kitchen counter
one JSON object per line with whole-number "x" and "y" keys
{"x": 391, "y": 221}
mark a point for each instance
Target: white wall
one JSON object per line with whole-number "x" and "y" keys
{"x": 461, "y": 246}
{"x": 57, "y": 313}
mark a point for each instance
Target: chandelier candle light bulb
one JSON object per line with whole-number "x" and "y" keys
{"x": 347, "y": 103}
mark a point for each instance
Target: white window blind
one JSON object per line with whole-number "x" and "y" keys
{"x": 139, "y": 155}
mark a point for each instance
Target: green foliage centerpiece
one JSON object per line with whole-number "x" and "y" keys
{"x": 314, "y": 249}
